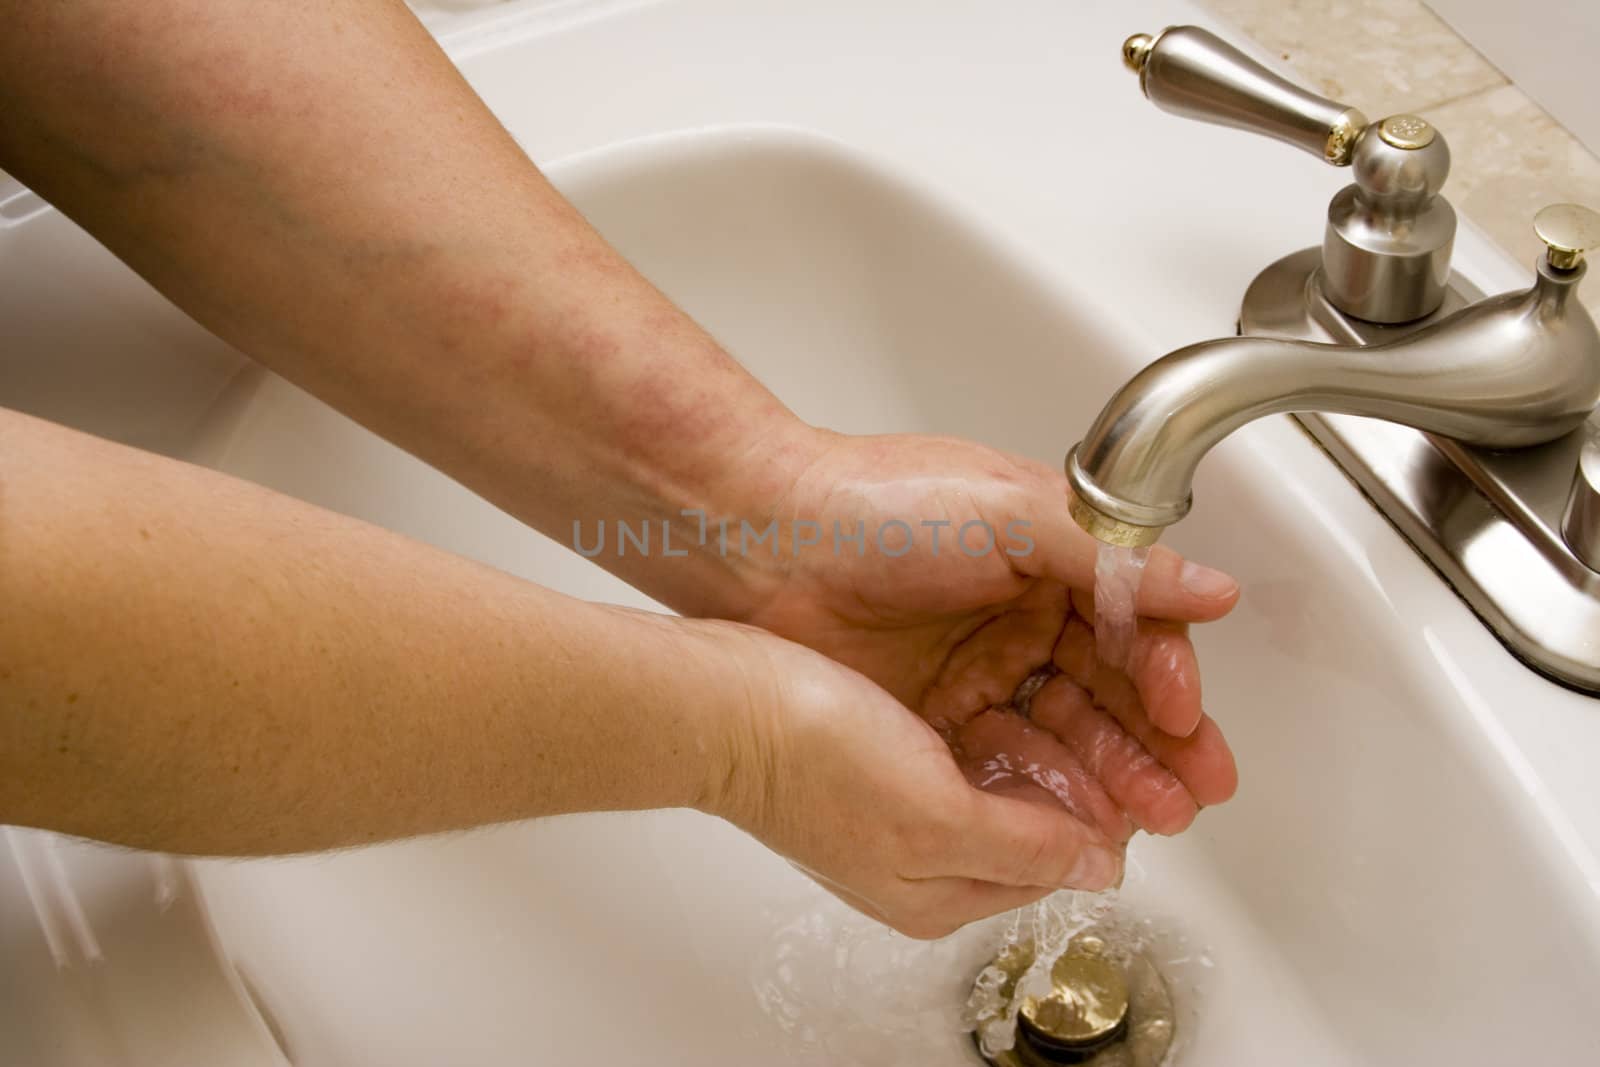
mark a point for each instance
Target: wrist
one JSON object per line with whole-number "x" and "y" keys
{"x": 756, "y": 519}
{"x": 735, "y": 681}
{"x": 724, "y": 518}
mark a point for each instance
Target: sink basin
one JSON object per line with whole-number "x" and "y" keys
{"x": 1364, "y": 866}
{"x": 1407, "y": 874}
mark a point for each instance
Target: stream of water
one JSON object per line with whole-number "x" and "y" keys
{"x": 1118, "y": 572}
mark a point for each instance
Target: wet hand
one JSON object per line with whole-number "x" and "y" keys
{"x": 832, "y": 772}
{"x": 953, "y": 632}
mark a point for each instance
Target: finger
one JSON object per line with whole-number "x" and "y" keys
{"x": 1201, "y": 761}
{"x": 1014, "y": 842}
{"x": 1205, "y": 764}
{"x": 1163, "y": 668}
{"x": 1166, "y": 674}
{"x": 999, "y": 748}
{"x": 1121, "y": 825}
{"x": 1176, "y": 588}
{"x": 1150, "y": 793}
{"x": 986, "y": 668}
{"x": 1172, "y": 587}
{"x": 939, "y": 907}
{"x": 931, "y": 908}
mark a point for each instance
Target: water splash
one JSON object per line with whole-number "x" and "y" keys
{"x": 1127, "y": 939}
{"x": 1044, "y": 929}
{"x": 840, "y": 988}
{"x": 1118, "y": 572}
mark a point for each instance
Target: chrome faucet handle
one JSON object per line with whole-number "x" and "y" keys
{"x": 1386, "y": 249}
{"x": 1196, "y": 74}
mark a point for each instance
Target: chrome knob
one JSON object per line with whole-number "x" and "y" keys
{"x": 1568, "y": 231}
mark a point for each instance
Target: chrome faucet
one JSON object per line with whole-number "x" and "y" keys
{"x": 1514, "y": 370}
{"x": 1371, "y": 326}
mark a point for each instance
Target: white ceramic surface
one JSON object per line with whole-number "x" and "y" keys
{"x": 907, "y": 216}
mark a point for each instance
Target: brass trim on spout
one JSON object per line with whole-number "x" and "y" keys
{"x": 1106, "y": 528}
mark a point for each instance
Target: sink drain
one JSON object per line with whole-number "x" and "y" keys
{"x": 1101, "y": 1009}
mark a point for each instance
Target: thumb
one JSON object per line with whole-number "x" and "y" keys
{"x": 1011, "y": 841}
{"x": 1173, "y": 587}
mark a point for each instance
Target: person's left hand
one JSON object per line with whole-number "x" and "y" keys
{"x": 953, "y": 631}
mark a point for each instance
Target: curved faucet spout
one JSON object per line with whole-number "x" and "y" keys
{"x": 1514, "y": 370}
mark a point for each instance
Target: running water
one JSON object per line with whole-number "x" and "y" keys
{"x": 1043, "y": 931}
{"x": 841, "y": 987}
{"x": 837, "y": 987}
{"x": 1117, "y": 574}
{"x": 1047, "y": 929}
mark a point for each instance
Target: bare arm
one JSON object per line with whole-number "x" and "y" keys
{"x": 192, "y": 663}
{"x": 316, "y": 183}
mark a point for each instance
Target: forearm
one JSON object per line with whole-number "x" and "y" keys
{"x": 316, "y": 184}
{"x": 194, "y": 664}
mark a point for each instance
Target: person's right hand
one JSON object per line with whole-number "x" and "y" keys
{"x": 833, "y": 773}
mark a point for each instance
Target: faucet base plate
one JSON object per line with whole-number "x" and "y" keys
{"x": 1488, "y": 522}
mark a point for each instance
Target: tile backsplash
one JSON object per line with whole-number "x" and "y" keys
{"x": 1383, "y": 56}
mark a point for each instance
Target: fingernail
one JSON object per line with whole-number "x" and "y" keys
{"x": 1205, "y": 582}
{"x": 1097, "y": 868}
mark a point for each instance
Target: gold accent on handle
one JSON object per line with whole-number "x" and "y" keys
{"x": 1136, "y": 51}
{"x": 1343, "y": 135}
{"x": 1406, "y": 131}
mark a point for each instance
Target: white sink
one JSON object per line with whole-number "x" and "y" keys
{"x": 1407, "y": 874}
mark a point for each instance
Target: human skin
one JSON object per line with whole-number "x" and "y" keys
{"x": 192, "y": 663}
{"x": 368, "y": 230}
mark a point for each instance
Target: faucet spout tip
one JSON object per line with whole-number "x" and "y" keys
{"x": 1096, "y": 511}
{"x": 1104, "y": 528}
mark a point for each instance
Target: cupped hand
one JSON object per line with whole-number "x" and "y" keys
{"x": 953, "y": 632}
{"x": 832, "y": 772}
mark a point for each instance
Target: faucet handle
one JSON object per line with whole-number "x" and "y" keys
{"x": 1196, "y": 74}
{"x": 1386, "y": 247}
{"x": 1568, "y": 231}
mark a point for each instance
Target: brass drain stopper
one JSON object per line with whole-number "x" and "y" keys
{"x": 1100, "y": 1012}
{"x": 1085, "y": 1010}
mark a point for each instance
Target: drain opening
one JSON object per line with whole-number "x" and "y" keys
{"x": 1101, "y": 1009}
